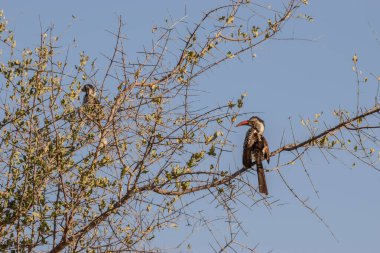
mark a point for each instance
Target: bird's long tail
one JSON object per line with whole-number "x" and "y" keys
{"x": 261, "y": 178}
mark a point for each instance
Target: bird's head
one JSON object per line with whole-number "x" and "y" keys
{"x": 89, "y": 89}
{"x": 254, "y": 122}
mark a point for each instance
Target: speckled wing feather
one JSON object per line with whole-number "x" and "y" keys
{"x": 265, "y": 149}
{"x": 249, "y": 142}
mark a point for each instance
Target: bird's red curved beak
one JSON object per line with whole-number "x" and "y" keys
{"x": 243, "y": 123}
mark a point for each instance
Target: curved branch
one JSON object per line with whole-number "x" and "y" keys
{"x": 289, "y": 147}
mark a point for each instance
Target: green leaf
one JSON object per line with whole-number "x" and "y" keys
{"x": 230, "y": 55}
{"x": 211, "y": 152}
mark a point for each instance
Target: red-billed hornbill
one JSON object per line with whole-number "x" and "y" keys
{"x": 256, "y": 149}
{"x": 89, "y": 98}
{"x": 91, "y": 106}
{"x": 93, "y": 110}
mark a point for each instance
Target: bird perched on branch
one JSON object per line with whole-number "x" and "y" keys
{"x": 93, "y": 111}
{"x": 92, "y": 108}
{"x": 256, "y": 149}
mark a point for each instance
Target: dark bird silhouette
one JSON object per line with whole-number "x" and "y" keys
{"x": 256, "y": 149}
{"x": 91, "y": 106}
{"x": 90, "y": 95}
{"x": 93, "y": 110}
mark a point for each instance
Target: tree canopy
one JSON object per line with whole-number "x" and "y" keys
{"x": 63, "y": 189}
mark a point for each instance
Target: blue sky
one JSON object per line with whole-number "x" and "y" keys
{"x": 288, "y": 78}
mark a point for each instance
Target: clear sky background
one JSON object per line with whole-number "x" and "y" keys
{"x": 288, "y": 78}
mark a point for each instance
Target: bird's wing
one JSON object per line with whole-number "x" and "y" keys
{"x": 250, "y": 139}
{"x": 266, "y": 151}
